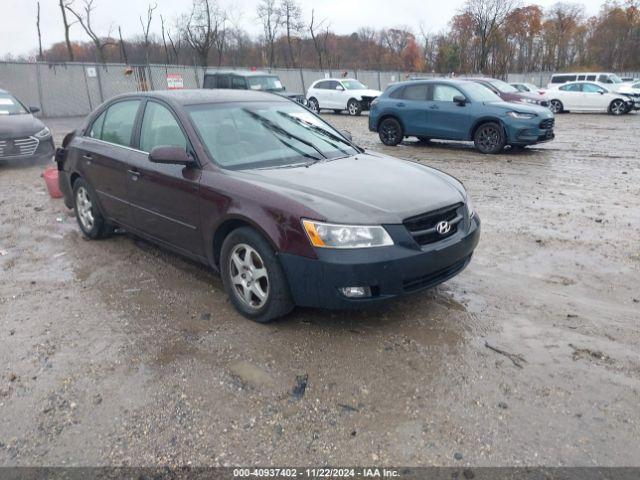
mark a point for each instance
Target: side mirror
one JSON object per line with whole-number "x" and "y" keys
{"x": 170, "y": 155}
{"x": 601, "y": 92}
{"x": 347, "y": 135}
{"x": 34, "y": 109}
{"x": 460, "y": 100}
{"x": 339, "y": 87}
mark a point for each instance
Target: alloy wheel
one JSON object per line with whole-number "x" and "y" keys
{"x": 618, "y": 107}
{"x": 389, "y": 133}
{"x": 556, "y": 106}
{"x": 314, "y": 106}
{"x": 353, "y": 108}
{"x": 488, "y": 138}
{"x": 249, "y": 276}
{"x": 85, "y": 208}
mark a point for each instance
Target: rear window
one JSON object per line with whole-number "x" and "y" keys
{"x": 563, "y": 78}
{"x": 119, "y": 121}
{"x": 415, "y": 92}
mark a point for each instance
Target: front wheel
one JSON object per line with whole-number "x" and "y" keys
{"x": 617, "y": 107}
{"x": 253, "y": 277}
{"x": 489, "y": 138}
{"x": 556, "y": 106}
{"x": 390, "y": 132}
{"x": 90, "y": 219}
{"x": 314, "y": 106}
{"x": 354, "y": 107}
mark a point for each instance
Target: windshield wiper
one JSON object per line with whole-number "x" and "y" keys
{"x": 278, "y": 129}
{"x": 318, "y": 130}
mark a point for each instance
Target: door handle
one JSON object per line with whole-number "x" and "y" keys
{"x": 400, "y": 104}
{"x": 434, "y": 107}
{"x": 134, "y": 174}
{"x": 87, "y": 158}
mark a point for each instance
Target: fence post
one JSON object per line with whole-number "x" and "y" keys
{"x": 99, "y": 77}
{"x": 39, "y": 82}
{"x": 304, "y": 89}
{"x": 86, "y": 85}
{"x": 379, "y": 81}
{"x": 150, "y": 77}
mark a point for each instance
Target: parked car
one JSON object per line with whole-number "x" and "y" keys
{"x": 508, "y": 93}
{"x": 457, "y": 110}
{"x": 528, "y": 88}
{"x": 340, "y": 94}
{"x": 22, "y": 136}
{"x": 632, "y": 89}
{"x": 284, "y": 206}
{"x": 249, "y": 80}
{"x": 608, "y": 79}
{"x": 588, "y": 97}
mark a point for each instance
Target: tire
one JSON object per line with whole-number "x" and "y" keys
{"x": 618, "y": 107}
{"x": 245, "y": 253}
{"x": 390, "y": 132}
{"x": 489, "y": 138}
{"x": 314, "y": 106}
{"x": 556, "y": 106}
{"x": 88, "y": 215}
{"x": 354, "y": 107}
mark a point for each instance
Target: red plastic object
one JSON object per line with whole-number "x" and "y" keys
{"x": 51, "y": 179}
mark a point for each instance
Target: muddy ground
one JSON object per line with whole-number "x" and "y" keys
{"x": 117, "y": 352}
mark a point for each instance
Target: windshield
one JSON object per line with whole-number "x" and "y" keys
{"x": 265, "y": 83}
{"x": 480, "y": 93}
{"x": 353, "y": 85}
{"x": 615, "y": 78}
{"x": 266, "y": 134}
{"x": 504, "y": 87}
{"x": 9, "y": 105}
{"x": 531, "y": 87}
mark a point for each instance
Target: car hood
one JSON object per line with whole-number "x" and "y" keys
{"x": 12, "y": 126}
{"x": 543, "y": 112}
{"x": 366, "y": 93}
{"x": 367, "y": 188}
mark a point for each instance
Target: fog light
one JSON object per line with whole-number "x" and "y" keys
{"x": 356, "y": 292}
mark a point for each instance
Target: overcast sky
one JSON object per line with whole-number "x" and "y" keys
{"x": 18, "y": 33}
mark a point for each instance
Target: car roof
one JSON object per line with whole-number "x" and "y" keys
{"x": 583, "y": 73}
{"x": 195, "y": 97}
{"x": 241, "y": 73}
{"x": 335, "y": 79}
{"x": 445, "y": 80}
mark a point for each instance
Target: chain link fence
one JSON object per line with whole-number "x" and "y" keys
{"x": 72, "y": 89}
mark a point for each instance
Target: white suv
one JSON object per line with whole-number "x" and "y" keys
{"x": 340, "y": 94}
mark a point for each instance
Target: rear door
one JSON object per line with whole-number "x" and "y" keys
{"x": 412, "y": 106}
{"x": 447, "y": 119}
{"x": 572, "y": 97}
{"x": 164, "y": 197}
{"x": 105, "y": 152}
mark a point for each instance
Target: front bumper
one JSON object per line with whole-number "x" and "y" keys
{"x": 530, "y": 133}
{"x": 388, "y": 271}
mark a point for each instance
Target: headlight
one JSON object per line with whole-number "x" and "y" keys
{"x": 44, "y": 133}
{"x": 521, "y": 115}
{"x": 530, "y": 100}
{"x": 470, "y": 208}
{"x": 328, "y": 235}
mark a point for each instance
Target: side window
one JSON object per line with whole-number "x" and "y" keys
{"x": 223, "y": 81}
{"x": 591, "y": 78}
{"x": 96, "y": 129}
{"x": 591, "y": 88}
{"x": 397, "y": 93}
{"x": 322, "y": 85}
{"x": 332, "y": 85}
{"x": 445, "y": 93}
{"x": 238, "y": 83}
{"x": 118, "y": 124}
{"x": 160, "y": 128}
{"x": 572, "y": 87}
{"x": 604, "y": 79}
{"x": 580, "y": 77}
{"x": 415, "y": 92}
{"x": 209, "y": 81}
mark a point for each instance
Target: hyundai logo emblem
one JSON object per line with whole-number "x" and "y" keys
{"x": 443, "y": 227}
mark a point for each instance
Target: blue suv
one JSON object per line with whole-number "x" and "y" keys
{"x": 457, "y": 110}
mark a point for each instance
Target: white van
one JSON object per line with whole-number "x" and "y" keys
{"x": 611, "y": 80}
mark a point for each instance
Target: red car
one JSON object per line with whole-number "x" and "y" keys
{"x": 509, "y": 93}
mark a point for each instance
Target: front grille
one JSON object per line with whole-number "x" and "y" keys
{"x": 423, "y": 227}
{"x": 547, "y": 124}
{"x": 434, "y": 278}
{"x": 19, "y": 147}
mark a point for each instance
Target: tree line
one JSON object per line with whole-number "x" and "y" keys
{"x": 485, "y": 36}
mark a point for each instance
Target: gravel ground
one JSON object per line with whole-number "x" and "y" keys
{"x": 116, "y": 352}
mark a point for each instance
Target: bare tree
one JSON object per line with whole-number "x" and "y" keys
{"x": 319, "y": 41}
{"x": 40, "y": 54}
{"x": 176, "y": 45}
{"x": 123, "y": 49}
{"x": 203, "y": 27}
{"x": 67, "y": 26}
{"x": 163, "y": 31}
{"x": 488, "y": 16}
{"x": 269, "y": 15}
{"x": 146, "y": 28}
{"x": 291, "y": 15}
{"x": 84, "y": 18}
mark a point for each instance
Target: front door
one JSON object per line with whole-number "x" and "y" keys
{"x": 447, "y": 119}
{"x": 164, "y": 197}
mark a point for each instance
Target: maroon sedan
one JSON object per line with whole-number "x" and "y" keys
{"x": 286, "y": 208}
{"x": 509, "y": 93}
